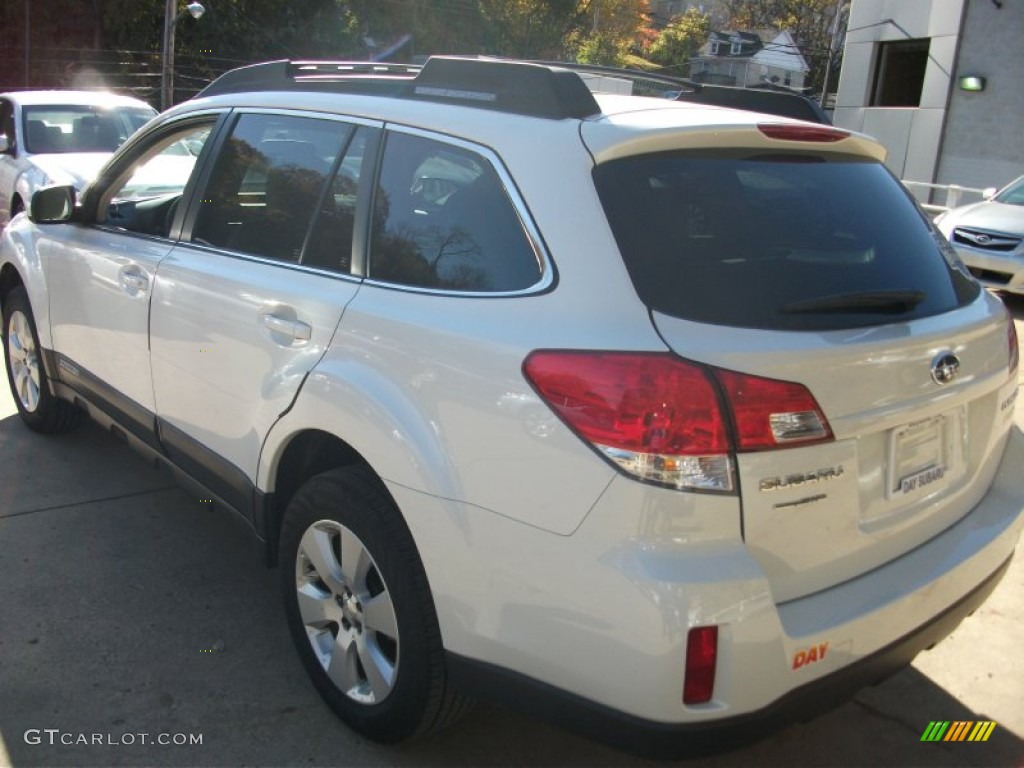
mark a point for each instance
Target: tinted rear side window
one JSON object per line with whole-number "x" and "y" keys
{"x": 443, "y": 220}
{"x": 781, "y": 242}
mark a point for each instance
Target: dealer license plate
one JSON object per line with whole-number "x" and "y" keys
{"x": 925, "y": 454}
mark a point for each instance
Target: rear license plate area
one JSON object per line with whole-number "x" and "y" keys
{"x": 925, "y": 455}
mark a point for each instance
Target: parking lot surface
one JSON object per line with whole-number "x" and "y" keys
{"x": 137, "y": 626}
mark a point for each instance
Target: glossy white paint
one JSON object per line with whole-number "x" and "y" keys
{"x": 604, "y": 612}
{"x": 869, "y": 382}
{"x": 223, "y": 370}
{"x": 100, "y": 283}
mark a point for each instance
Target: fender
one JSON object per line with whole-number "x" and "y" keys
{"x": 370, "y": 412}
{"x": 19, "y": 248}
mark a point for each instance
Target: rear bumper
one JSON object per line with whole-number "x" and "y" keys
{"x": 590, "y": 629}
{"x": 653, "y": 739}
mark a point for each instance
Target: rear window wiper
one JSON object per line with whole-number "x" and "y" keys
{"x": 887, "y": 302}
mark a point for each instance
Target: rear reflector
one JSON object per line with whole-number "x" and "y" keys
{"x": 663, "y": 420}
{"x": 797, "y": 132}
{"x": 701, "y": 658}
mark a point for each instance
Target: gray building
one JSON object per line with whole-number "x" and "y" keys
{"x": 941, "y": 84}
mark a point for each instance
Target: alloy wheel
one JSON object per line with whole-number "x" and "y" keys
{"x": 347, "y": 612}
{"x": 24, "y": 361}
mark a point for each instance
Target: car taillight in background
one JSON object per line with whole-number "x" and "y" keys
{"x": 670, "y": 421}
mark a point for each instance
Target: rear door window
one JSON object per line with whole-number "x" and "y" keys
{"x": 795, "y": 241}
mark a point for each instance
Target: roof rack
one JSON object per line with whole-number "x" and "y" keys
{"x": 518, "y": 87}
{"x": 645, "y": 83}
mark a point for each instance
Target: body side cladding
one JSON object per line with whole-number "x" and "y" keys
{"x": 125, "y": 412}
{"x": 210, "y": 469}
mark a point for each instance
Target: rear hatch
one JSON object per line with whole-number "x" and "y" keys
{"x": 806, "y": 262}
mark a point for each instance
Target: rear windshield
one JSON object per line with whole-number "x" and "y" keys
{"x": 786, "y": 242}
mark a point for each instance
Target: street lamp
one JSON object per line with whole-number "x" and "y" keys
{"x": 171, "y": 16}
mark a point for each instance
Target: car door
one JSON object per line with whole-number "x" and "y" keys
{"x": 247, "y": 303}
{"x": 101, "y": 272}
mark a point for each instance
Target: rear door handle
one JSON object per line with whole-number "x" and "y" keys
{"x": 295, "y": 329}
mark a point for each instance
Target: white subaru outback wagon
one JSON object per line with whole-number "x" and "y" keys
{"x": 669, "y": 422}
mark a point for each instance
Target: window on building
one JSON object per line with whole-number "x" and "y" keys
{"x": 899, "y": 73}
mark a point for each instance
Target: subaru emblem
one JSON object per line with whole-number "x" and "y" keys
{"x": 945, "y": 367}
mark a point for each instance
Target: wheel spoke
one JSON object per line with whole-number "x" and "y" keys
{"x": 355, "y": 562}
{"x": 343, "y": 669}
{"x": 317, "y": 608}
{"x": 316, "y": 545}
{"x": 380, "y": 673}
{"x": 379, "y": 615}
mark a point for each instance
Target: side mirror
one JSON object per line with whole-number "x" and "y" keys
{"x": 988, "y": 193}
{"x": 6, "y": 147}
{"x": 52, "y": 205}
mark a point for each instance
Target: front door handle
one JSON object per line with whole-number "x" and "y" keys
{"x": 295, "y": 329}
{"x": 133, "y": 279}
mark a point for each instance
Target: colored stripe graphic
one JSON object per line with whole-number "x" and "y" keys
{"x": 958, "y": 730}
{"x": 982, "y": 731}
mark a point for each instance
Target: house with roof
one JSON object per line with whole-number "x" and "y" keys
{"x": 749, "y": 59}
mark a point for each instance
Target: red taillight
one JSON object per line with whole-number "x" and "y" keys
{"x": 1014, "y": 348}
{"x": 650, "y": 403}
{"x": 653, "y": 415}
{"x": 797, "y": 132}
{"x": 769, "y": 413}
{"x": 701, "y": 658}
{"x": 661, "y": 419}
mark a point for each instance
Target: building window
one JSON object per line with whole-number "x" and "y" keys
{"x": 899, "y": 73}
{"x": 714, "y": 48}
{"x": 736, "y": 48}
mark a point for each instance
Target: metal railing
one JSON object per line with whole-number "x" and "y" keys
{"x": 950, "y": 195}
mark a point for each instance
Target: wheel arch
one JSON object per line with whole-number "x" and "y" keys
{"x": 303, "y": 455}
{"x": 10, "y": 279}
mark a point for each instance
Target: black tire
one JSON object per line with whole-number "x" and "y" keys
{"x": 39, "y": 409}
{"x": 348, "y": 511}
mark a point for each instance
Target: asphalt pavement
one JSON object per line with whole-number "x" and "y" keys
{"x": 137, "y": 627}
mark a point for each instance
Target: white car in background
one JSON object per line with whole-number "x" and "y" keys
{"x": 989, "y": 237}
{"x": 59, "y": 137}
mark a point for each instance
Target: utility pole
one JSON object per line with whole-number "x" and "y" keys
{"x": 831, "y": 52}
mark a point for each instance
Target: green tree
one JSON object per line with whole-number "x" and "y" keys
{"x": 680, "y": 40}
{"x": 610, "y": 30}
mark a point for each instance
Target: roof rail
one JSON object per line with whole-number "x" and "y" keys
{"x": 772, "y": 102}
{"x": 517, "y": 87}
